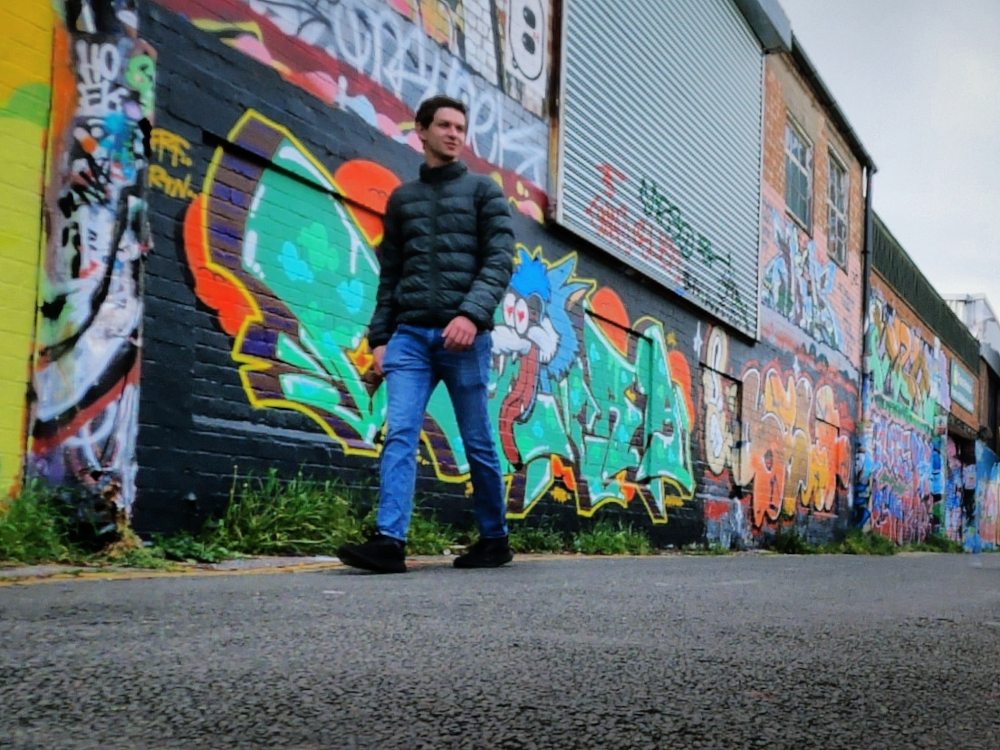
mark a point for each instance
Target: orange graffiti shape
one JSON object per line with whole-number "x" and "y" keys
{"x": 213, "y": 287}
{"x": 613, "y": 320}
{"x": 367, "y": 187}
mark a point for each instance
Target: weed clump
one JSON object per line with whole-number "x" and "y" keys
{"x": 33, "y": 528}
{"x": 788, "y": 541}
{"x": 610, "y": 538}
{"x": 537, "y": 539}
{"x": 858, "y": 542}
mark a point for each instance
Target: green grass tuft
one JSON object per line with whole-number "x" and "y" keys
{"x": 936, "y": 543}
{"x": 609, "y": 538}
{"x": 269, "y": 516}
{"x": 858, "y": 542}
{"x": 33, "y": 529}
{"x": 537, "y": 539}
{"x": 788, "y": 541}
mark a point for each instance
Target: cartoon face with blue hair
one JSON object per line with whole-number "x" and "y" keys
{"x": 535, "y": 332}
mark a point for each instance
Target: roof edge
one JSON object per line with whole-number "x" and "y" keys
{"x": 768, "y": 22}
{"x": 807, "y": 68}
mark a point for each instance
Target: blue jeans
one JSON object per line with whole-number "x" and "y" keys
{"x": 415, "y": 362}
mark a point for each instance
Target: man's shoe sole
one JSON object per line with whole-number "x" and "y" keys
{"x": 473, "y": 564}
{"x": 363, "y": 563}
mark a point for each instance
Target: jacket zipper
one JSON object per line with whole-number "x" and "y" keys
{"x": 432, "y": 249}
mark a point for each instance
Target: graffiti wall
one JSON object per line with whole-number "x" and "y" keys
{"x": 802, "y": 287}
{"x": 777, "y": 443}
{"x": 25, "y": 91}
{"x": 86, "y": 370}
{"x": 379, "y": 59}
{"x": 908, "y": 473}
{"x": 986, "y": 531}
{"x": 597, "y": 404}
{"x": 609, "y": 398}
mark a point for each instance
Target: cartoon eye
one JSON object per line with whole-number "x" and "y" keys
{"x": 508, "y": 309}
{"x": 529, "y": 43}
{"x": 521, "y": 317}
{"x": 529, "y": 17}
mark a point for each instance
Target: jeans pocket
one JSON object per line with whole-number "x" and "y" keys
{"x": 391, "y": 353}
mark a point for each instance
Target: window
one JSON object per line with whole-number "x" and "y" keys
{"x": 836, "y": 213}
{"x": 798, "y": 176}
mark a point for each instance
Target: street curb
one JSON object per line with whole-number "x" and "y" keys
{"x": 36, "y": 574}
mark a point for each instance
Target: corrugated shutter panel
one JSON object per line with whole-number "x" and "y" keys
{"x": 660, "y": 144}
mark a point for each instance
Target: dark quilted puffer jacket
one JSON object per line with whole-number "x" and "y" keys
{"x": 447, "y": 251}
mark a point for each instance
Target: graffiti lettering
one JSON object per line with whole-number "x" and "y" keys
{"x": 174, "y": 187}
{"x": 98, "y": 66}
{"x": 399, "y": 56}
{"x": 664, "y": 241}
{"x": 788, "y": 448}
{"x": 163, "y": 142}
{"x": 798, "y": 286}
{"x": 668, "y": 215}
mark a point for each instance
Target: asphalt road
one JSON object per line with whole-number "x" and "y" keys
{"x": 745, "y": 651}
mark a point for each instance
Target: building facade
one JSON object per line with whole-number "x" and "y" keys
{"x": 698, "y": 361}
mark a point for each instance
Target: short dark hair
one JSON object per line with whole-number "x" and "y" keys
{"x": 429, "y": 107}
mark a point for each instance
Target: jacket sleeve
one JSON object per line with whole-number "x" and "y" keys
{"x": 496, "y": 248}
{"x": 383, "y": 321}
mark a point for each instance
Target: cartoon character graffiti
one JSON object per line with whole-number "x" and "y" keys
{"x": 593, "y": 404}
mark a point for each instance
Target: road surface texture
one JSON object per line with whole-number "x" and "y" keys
{"x": 745, "y": 651}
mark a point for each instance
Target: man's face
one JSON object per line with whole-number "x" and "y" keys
{"x": 444, "y": 139}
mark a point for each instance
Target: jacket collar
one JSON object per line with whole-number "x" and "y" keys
{"x": 442, "y": 174}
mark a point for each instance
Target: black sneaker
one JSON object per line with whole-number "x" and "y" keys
{"x": 380, "y": 554}
{"x": 486, "y": 553}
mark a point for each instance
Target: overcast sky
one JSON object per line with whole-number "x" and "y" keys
{"x": 919, "y": 81}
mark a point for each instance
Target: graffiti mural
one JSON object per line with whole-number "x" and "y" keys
{"x": 902, "y": 466}
{"x": 25, "y": 93}
{"x": 906, "y": 369}
{"x": 798, "y": 285}
{"x": 987, "y": 510}
{"x": 371, "y": 59}
{"x": 86, "y": 373}
{"x": 897, "y": 467}
{"x": 786, "y": 445}
{"x": 805, "y": 296}
{"x": 592, "y": 406}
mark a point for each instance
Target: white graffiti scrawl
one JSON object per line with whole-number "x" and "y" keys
{"x": 408, "y": 63}
{"x": 85, "y": 378}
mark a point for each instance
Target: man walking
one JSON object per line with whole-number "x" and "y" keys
{"x": 446, "y": 258}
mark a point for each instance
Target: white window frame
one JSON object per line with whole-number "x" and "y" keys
{"x": 837, "y": 215}
{"x": 791, "y": 160}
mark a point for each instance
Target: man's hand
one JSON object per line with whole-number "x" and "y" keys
{"x": 459, "y": 334}
{"x": 378, "y": 353}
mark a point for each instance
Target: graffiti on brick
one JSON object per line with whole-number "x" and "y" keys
{"x": 897, "y": 465}
{"x": 902, "y": 466}
{"x": 368, "y": 58}
{"x": 987, "y": 498}
{"x": 170, "y": 164}
{"x": 907, "y": 370}
{"x": 788, "y": 449}
{"x": 85, "y": 379}
{"x": 797, "y": 284}
{"x": 592, "y": 406}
